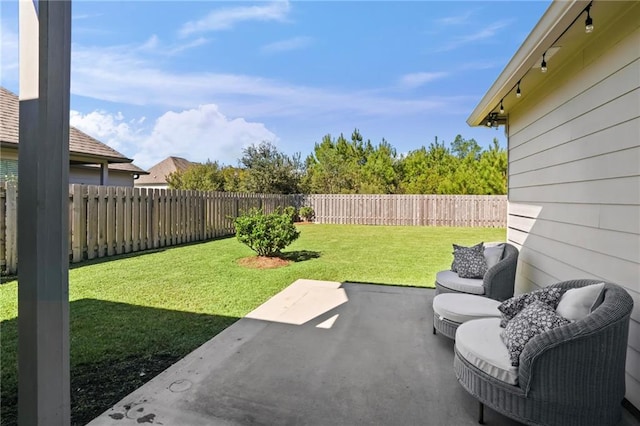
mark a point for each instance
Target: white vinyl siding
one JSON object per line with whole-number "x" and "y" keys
{"x": 574, "y": 174}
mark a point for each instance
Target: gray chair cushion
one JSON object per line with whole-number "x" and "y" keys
{"x": 451, "y": 280}
{"x": 461, "y": 308}
{"x": 479, "y": 342}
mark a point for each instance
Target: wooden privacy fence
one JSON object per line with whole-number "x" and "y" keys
{"x": 417, "y": 210}
{"x": 106, "y": 220}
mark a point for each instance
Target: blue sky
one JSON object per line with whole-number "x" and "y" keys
{"x": 204, "y": 79}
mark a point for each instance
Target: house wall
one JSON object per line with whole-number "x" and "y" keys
{"x": 91, "y": 176}
{"x": 77, "y": 173}
{"x": 574, "y": 173}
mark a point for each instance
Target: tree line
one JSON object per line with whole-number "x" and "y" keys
{"x": 354, "y": 166}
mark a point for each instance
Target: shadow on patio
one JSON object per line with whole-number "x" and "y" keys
{"x": 366, "y": 355}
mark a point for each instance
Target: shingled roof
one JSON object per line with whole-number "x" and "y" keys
{"x": 79, "y": 142}
{"x": 124, "y": 167}
{"x": 158, "y": 173}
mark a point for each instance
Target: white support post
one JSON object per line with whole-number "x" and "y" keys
{"x": 43, "y": 185}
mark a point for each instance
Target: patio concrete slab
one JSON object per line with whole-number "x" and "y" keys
{"x": 364, "y": 355}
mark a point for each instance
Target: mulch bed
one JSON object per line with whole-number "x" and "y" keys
{"x": 97, "y": 387}
{"x": 263, "y": 262}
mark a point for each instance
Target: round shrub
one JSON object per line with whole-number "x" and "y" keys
{"x": 266, "y": 234}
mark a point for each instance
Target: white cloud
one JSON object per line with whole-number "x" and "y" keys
{"x": 200, "y": 134}
{"x": 196, "y": 134}
{"x": 224, "y": 19}
{"x": 175, "y": 49}
{"x": 414, "y": 80}
{"x": 484, "y": 34}
{"x": 155, "y": 46}
{"x": 130, "y": 75}
{"x": 455, "y": 19}
{"x": 151, "y": 44}
{"x": 124, "y": 74}
{"x": 108, "y": 128}
{"x": 286, "y": 45}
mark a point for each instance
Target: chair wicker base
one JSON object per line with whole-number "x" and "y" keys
{"x": 511, "y": 401}
{"x": 444, "y": 326}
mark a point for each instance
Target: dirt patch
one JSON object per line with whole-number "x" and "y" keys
{"x": 97, "y": 387}
{"x": 263, "y": 262}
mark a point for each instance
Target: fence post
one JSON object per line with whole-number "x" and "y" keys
{"x": 92, "y": 221}
{"x": 102, "y": 220}
{"x": 11, "y": 245}
{"x": 3, "y": 229}
{"x": 76, "y": 223}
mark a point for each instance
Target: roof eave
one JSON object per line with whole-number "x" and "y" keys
{"x": 82, "y": 157}
{"x": 96, "y": 159}
{"x": 553, "y": 23}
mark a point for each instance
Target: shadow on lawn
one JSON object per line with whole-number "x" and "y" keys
{"x": 432, "y": 286}
{"x": 144, "y": 252}
{"x": 8, "y": 278}
{"x": 115, "y": 349}
{"x": 300, "y": 255}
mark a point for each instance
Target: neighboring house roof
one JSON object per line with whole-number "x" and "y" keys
{"x": 128, "y": 167}
{"x": 553, "y": 31}
{"x": 80, "y": 144}
{"x": 122, "y": 167}
{"x": 158, "y": 173}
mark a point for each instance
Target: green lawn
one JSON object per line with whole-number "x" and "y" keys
{"x": 133, "y": 316}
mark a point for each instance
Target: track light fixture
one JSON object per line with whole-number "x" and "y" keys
{"x": 492, "y": 119}
{"x": 588, "y": 23}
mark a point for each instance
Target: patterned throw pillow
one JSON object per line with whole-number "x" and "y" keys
{"x": 459, "y": 252}
{"x": 511, "y": 307}
{"x": 535, "y": 319}
{"x": 472, "y": 264}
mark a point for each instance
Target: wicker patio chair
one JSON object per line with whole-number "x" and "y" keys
{"x": 571, "y": 375}
{"x": 498, "y": 281}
